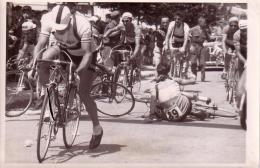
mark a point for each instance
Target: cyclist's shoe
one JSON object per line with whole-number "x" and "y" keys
{"x": 151, "y": 118}
{"x": 95, "y": 140}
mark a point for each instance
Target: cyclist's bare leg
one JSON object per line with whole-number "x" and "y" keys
{"x": 203, "y": 55}
{"x": 86, "y": 79}
{"x": 43, "y": 70}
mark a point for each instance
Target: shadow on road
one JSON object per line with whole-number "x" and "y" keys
{"x": 82, "y": 149}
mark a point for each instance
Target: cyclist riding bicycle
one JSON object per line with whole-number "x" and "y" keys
{"x": 29, "y": 34}
{"x": 227, "y": 41}
{"x": 240, "y": 43}
{"x": 131, "y": 34}
{"x": 177, "y": 35}
{"x": 73, "y": 33}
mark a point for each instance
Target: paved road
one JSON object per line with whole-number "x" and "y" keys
{"x": 129, "y": 140}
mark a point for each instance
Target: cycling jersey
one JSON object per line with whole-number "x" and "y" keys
{"x": 199, "y": 35}
{"x": 78, "y": 31}
{"x": 178, "y": 33}
{"x": 129, "y": 33}
{"x": 240, "y": 39}
{"x": 229, "y": 33}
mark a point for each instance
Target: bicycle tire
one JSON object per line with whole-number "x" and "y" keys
{"x": 107, "y": 101}
{"x": 72, "y": 113}
{"x": 45, "y": 115}
{"x": 18, "y": 97}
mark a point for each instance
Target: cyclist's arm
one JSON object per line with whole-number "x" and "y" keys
{"x": 87, "y": 57}
{"x": 168, "y": 35}
{"x": 236, "y": 39}
{"x": 137, "y": 47}
{"x": 22, "y": 50}
{"x": 110, "y": 31}
{"x": 190, "y": 81}
{"x": 42, "y": 42}
{"x": 186, "y": 35}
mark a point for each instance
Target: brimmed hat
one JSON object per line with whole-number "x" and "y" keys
{"x": 61, "y": 16}
{"x": 233, "y": 19}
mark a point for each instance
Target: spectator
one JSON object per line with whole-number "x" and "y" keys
{"x": 198, "y": 35}
{"x": 160, "y": 36}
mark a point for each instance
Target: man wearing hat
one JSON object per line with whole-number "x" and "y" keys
{"x": 227, "y": 41}
{"x": 198, "y": 35}
{"x": 130, "y": 32}
{"x": 73, "y": 33}
{"x": 114, "y": 39}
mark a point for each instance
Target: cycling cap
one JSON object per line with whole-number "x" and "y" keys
{"x": 242, "y": 24}
{"x": 127, "y": 15}
{"x": 26, "y": 9}
{"x": 233, "y": 19}
{"x": 29, "y": 25}
{"x": 115, "y": 14}
{"x": 61, "y": 16}
{"x": 94, "y": 18}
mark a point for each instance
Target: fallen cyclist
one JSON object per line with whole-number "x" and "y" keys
{"x": 167, "y": 100}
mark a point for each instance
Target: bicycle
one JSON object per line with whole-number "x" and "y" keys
{"x": 61, "y": 107}
{"x": 19, "y": 89}
{"x": 177, "y": 63}
{"x": 201, "y": 111}
{"x": 232, "y": 80}
{"x": 112, "y": 98}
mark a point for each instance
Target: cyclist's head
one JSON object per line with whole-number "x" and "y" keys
{"x": 27, "y": 12}
{"x": 243, "y": 26}
{"x": 163, "y": 69}
{"x": 165, "y": 22}
{"x": 233, "y": 22}
{"x": 127, "y": 18}
{"x": 61, "y": 15}
{"x": 178, "y": 17}
{"x": 115, "y": 15}
{"x": 202, "y": 19}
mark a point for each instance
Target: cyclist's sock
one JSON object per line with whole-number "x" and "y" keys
{"x": 97, "y": 130}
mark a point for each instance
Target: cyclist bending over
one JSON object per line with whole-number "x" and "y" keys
{"x": 73, "y": 33}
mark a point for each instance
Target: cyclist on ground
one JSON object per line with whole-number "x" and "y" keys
{"x": 73, "y": 33}
{"x": 199, "y": 35}
{"x": 29, "y": 34}
{"x": 227, "y": 41}
{"x": 165, "y": 91}
{"x": 240, "y": 43}
{"x": 130, "y": 34}
{"x": 160, "y": 36}
{"x": 177, "y": 35}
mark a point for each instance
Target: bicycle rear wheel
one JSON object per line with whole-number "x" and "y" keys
{"x": 112, "y": 99}
{"x": 19, "y": 93}
{"x": 46, "y": 124}
{"x": 71, "y": 117}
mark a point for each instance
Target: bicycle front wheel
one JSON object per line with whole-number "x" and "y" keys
{"x": 46, "y": 124}
{"x": 71, "y": 117}
{"x": 19, "y": 93}
{"x": 112, "y": 99}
